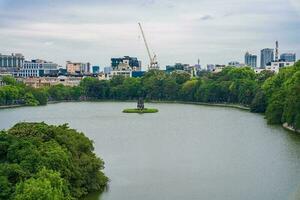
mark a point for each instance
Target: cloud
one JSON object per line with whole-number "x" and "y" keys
{"x": 206, "y": 17}
{"x": 178, "y": 31}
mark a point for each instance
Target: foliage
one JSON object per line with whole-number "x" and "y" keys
{"x": 275, "y": 94}
{"x": 283, "y": 96}
{"x": 38, "y": 161}
{"x": 145, "y": 110}
{"x": 45, "y": 185}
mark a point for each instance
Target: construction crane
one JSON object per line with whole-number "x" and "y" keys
{"x": 153, "y": 60}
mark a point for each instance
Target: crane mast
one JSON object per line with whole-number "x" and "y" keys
{"x": 153, "y": 62}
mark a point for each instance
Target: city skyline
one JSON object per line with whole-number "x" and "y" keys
{"x": 94, "y": 31}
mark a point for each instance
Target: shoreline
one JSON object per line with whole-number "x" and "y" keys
{"x": 290, "y": 128}
{"x": 225, "y": 105}
{"x": 238, "y": 106}
{"x": 11, "y": 106}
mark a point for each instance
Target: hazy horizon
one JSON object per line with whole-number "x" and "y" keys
{"x": 215, "y": 31}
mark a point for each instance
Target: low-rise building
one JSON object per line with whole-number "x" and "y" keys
{"x": 38, "y": 68}
{"x": 288, "y": 57}
{"x": 104, "y": 76}
{"x": 236, "y": 64}
{"x": 276, "y": 65}
{"x": 218, "y": 68}
{"x": 258, "y": 70}
{"x": 37, "y": 82}
{"x": 123, "y": 69}
{"x": 210, "y": 67}
{"x": 78, "y": 68}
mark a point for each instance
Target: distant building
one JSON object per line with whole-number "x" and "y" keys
{"x": 137, "y": 74}
{"x": 74, "y": 68}
{"x": 233, "y": 63}
{"x": 288, "y": 57}
{"x": 96, "y": 69}
{"x": 107, "y": 70}
{"x": 275, "y": 66}
{"x": 125, "y": 73}
{"x": 236, "y": 64}
{"x": 123, "y": 69}
{"x": 11, "y": 63}
{"x": 210, "y": 67}
{"x": 178, "y": 67}
{"x": 251, "y": 60}
{"x": 215, "y": 68}
{"x": 266, "y": 57}
{"x": 218, "y": 68}
{"x": 198, "y": 67}
{"x": 37, "y": 82}
{"x": 38, "y": 68}
{"x": 62, "y": 72}
{"x": 131, "y": 62}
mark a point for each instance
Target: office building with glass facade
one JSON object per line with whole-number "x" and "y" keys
{"x": 251, "y": 60}
{"x": 266, "y": 57}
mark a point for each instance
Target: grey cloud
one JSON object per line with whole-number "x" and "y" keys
{"x": 206, "y": 17}
{"x": 98, "y": 29}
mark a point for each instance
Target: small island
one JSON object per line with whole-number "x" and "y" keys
{"x": 136, "y": 110}
{"x": 140, "y": 108}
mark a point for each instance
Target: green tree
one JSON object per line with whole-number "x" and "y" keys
{"x": 259, "y": 103}
{"x": 30, "y": 100}
{"x": 41, "y": 96}
{"x": 275, "y": 108}
{"x": 9, "y": 80}
{"x": 46, "y": 185}
{"x": 291, "y": 113}
{"x": 188, "y": 90}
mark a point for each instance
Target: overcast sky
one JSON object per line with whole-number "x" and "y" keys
{"x": 216, "y": 31}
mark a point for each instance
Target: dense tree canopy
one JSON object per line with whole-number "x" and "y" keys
{"x": 38, "y": 161}
{"x": 276, "y": 95}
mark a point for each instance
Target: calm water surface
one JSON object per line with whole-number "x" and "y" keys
{"x": 186, "y": 152}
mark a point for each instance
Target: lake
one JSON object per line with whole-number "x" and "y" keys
{"x": 189, "y": 152}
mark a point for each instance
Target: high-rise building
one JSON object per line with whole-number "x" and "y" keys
{"x": 277, "y": 51}
{"x": 251, "y": 60}
{"x": 266, "y": 57}
{"x": 288, "y": 57}
{"x": 11, "y": 63}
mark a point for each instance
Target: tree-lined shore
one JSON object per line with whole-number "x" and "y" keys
{"x": 276, "y": 95}
{"x": 40, "y": 161}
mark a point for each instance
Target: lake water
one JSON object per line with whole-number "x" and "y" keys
{"x": 188, "y": 152}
